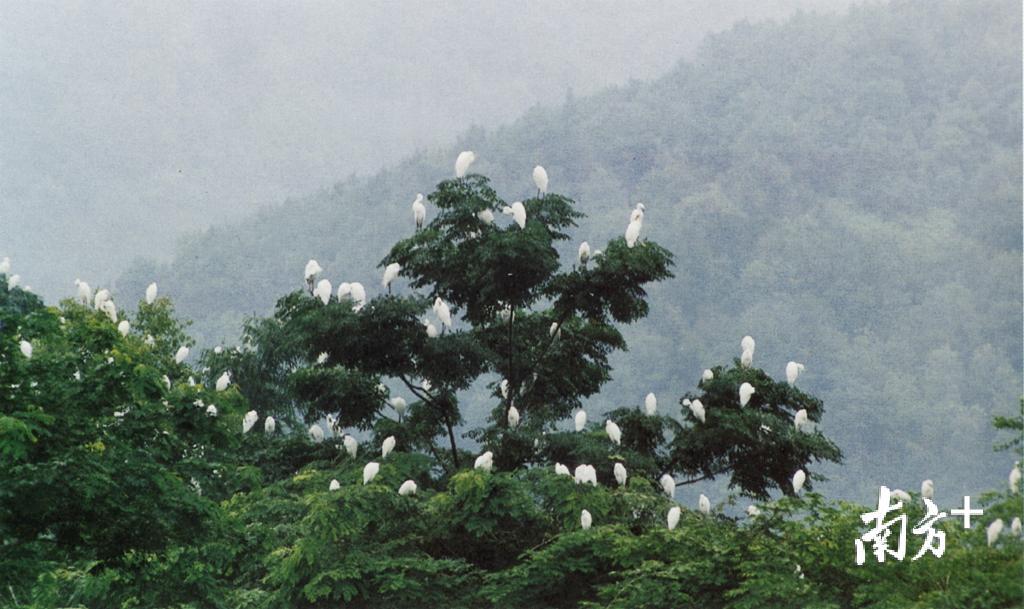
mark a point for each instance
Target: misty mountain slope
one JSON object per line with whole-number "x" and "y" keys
{"x": 845, "y": 189}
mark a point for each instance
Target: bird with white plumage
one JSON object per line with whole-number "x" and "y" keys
{"x": 668, "y": 485}
{"x": 419, "y": 211}
{"x": 620, "y": 474}
{"x": 463, "y": 161}
{"x": 370, "y": 471}
{"x": 484, "y": 462}
{"x": 613, "y": 431}
{"x": 746, "y": 390}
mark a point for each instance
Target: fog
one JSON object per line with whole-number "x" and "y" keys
{"x": 127, "y": 125}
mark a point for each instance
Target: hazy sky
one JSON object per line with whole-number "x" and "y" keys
{"x": 125, "y": 125}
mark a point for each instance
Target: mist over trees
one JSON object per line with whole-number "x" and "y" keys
{"x": 844, "y": 188}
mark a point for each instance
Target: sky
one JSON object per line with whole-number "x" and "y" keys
{"x": 125, "y": 125}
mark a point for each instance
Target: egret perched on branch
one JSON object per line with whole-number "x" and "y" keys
{"x": 1014, "y": 478}
{"x": 323, "y": 357}
{"x": 993, "y": 531}
{"x": 519, "y": 214}
{"x": 555, "y": 329}
{"x": 400, "y": 406}
{"x": 124, "y": 327}
{"x": 462, "y": 163}
{"x": 503, "y": 387}
{"x": 344, "y": 290}
{"x": 585, "y": 474}
{"x": 800, "y": 419}
{"x": 432, "y": 331}
{"x": 26, "y": 349}
{"x": 312, "y": 270}
{"x": 390, "y": 273}
{"x": 486, "y": 216}
{"x": 651, "y": 404}
{"x": 211, "y": 410}
{"x": 633, "y": 233}
{"x": 419, "y": 211}
{"x": 753, "y": 511}
{"x": 793, "y": 370}
{"x": 323, "y": 290}
{"x": 151, "y": 293}
{"x": 443, "y": 312}
{"x": 101, "y": 297}
{"x": 586, "y": 520}
{"x": 370, "y": 471}
{"x": 668, "y": 485}
{"x": 581, "y": 420}
{"x": 110, "y": 309}
{"x": 704, "y": 504}
{"x": 613, "y": 431}
{"x": 408, "y": 488}
{"x": 387, "y": 446}
{"x": 928, "y": 489}
{"x": 334, "y": 485}
{"x": 316, "y": 433}
{"x": 698, "y": 410}
{"x": 351, "y": 445}
{"x": 637, "y": 215}
{"x": 707, "y": 375}
{"x": 748, "y": 344}
{"x": 84, "y": 292}
{"x": 358, "y": 293}
{"x": 540, "y": 178}
{"x": 798, "y": 481}
{"x": 673, "y": 517}
{"x": 746, "y": 390}
{"x": 620, "y": 474}
{"x": 513, "y": 417}
{"x": 561, "y": 470}
{"x": 181, "y": 354}
{"x": 1015, "y": 526}
{"x": 902, "y": 495}
{"x": 249, "y": 420}
{"x": 484, "y": 462}
{"x": 269, "y": 425}
{"x": 223, "y": 381}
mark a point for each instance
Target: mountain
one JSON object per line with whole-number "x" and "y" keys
{"x": 846, "y": 189}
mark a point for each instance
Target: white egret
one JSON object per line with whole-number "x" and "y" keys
{"x": 390, "y": 274}
{"x": 613, "y": 431}
{"x": 150, "y": 341}
{"x": 323, "y": 290}
{"x": 124, "y": 327}
{"x": 408, "y": 488}
{"x": 399, "y": 404}
{"x": 584, "y": 474}
{"x": 419, "y": 211}
{"x": 387, "y": 446}
{"x": 484, "y": 462}
{"x": 632, "y": 233}
{"x": 902, "y": 495}
{"x": 111, "y": 310}
{"x": 332, "y": 423}
{"x": 583, "y": 255}
{"x": 26, "y": 349}
{"x": 462, "y": 163}
{"x": 486, "y": 216}
{"x": 561, "y": 470}
{"x": 1014, "y": 478}
{"x": 753, "y": 511}
{"x": 249, "y": 420}
{"x": 84, "y": 292}
{"x": 358, "y": 293}
{"x": 312, "y": 270}
{"x": 697, "y": 408}
{"x": 334, "y": 485}
{"x": 223, "y": 381}
{"x": 443, "y": 312}
{"x": 5, "y": 265}
{"x": 928, "y": 489}
{"x": 651, "y": 404}
{"x": 513, "y": 417}
{"x": 167, "y": 381}
{"x": 181, "y": 354}
{"x": 211, "y": 410}
{"x": 747, "y": 358}
{"x": 581, "y": 420}
{"x": 793, "y": 370}
{"x": 555, "y": 329}
{"x": 344, "y": 290}
{"x": 747, "y": 343}
{"x": 351, "y": 445}
{"x": 13, "y": 281}
{"x": 151, "y": 291}
{"x": 370, "y": 471}
{"x": 707, "y": 375}
{"x": 668, "y": 485}
{"x": 704, "y": 504}
{"x": 993, "y": 531}
{"x": 540, "y": 179}
{"x": 798, "y": 481}
{"x": 269, "y": 425}
{"x": 101, "y": 297}
{"x": 1015, "y": 526}
{"x": 322, "y": 357}
{"x": 746, "y": 390}
{"x": 586, "y": 520}
{"x": 316, "y": 433}
{"x": 800, "y": 419}
{"x": 620, "y": 474}
{"x": 673, "y": 517}
{"x": 432, "y": 331}
{"x": 637, "y": 215}
{"x": 519, "y": 214}
{"x": 218, "y": 350}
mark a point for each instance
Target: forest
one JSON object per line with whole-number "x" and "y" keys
{"x": 846, "y": 184}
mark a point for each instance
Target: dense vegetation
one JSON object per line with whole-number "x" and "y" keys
{"x": 129, "y": 478}
{"x": 844, "y": 188}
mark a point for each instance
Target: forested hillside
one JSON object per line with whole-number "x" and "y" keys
{"x": 845, "y": 189}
